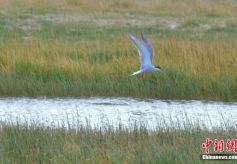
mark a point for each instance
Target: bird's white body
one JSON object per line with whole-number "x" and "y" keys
{"x": 146, "y": 54}
{"x": 149, "y": 69}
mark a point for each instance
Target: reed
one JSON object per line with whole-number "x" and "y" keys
{"x": 32, "y": 143}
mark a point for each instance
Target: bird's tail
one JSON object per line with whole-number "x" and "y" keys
{"x": 136, "y": 73}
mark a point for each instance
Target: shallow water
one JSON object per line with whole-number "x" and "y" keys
{"x": 99, "y": 112}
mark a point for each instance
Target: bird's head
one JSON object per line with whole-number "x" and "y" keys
{"x": 158, "y": 68}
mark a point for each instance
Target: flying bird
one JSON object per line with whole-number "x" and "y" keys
{"x": 146, "y": 53}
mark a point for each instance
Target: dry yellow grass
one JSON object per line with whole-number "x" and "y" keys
{"x": 194, "y": 58}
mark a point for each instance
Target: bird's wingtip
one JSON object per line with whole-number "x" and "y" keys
{"x": 143, "y": 35}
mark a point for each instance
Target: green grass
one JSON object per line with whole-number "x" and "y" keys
{"x": 70, "y": 48}
{"x": 31, "y": 143}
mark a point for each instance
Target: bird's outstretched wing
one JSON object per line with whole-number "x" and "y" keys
{"x": 148, "y": 45}
{"x": 144, "y": 53}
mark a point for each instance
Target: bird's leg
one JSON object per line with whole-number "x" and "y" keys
{"x": 142, "y": 77}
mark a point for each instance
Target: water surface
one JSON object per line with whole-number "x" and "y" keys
{"x": 99, "y": 112}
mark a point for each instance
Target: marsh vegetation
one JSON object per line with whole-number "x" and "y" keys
{"x": 81, "y": 48}
{"x": 30, "y": 143}
{"x": 71, "y": 48}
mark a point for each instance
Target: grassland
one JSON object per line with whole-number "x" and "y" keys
{"x": 30, "y": 143}
{"x": 81, "y": 48}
